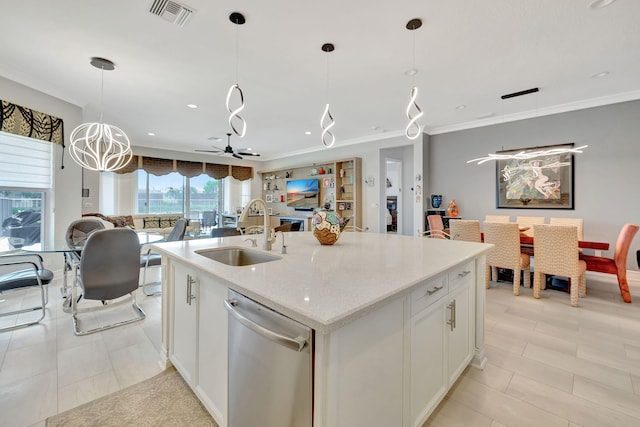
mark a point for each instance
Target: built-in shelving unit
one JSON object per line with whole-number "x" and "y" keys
{"x": 339, "y": 182}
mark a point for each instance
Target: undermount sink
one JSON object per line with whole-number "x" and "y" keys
{"x": 237, "y": 256}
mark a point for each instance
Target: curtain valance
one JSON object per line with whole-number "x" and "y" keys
{"x": 158, "y": 166}
{"x": 30, "y": 123}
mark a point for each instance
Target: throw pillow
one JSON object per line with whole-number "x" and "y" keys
{"x": 151, "y": 222}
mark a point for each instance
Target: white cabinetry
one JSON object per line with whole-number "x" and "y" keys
{"x": 441, "y": 339}
{"x": 426, "y": 377}
{"x": 212, "y": 348}
{"x": 198, "y": 344}
{"x": 182, "y": 348}
{"x": 460, "y": 311}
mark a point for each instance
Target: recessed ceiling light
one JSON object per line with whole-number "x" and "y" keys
{"x": 599, "y": 4}
{"x": 151, "y": 134}
{"x": 192, "y": 106}
{"x": 598, "y": 75}
{"x": 485, "y": 115}
{"x": 307, "y": 133}
{"x": 411, "y": 72}
{"x": 461, "y": 107}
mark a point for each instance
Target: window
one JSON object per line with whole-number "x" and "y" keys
{"x": 166, "y": 194}
{"x": 25, "y": 178}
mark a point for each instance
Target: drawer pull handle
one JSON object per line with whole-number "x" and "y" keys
{"x": 464, "y": 273}
{"x": 434, "y": 290}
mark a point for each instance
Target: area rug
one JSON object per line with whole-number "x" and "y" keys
{"x": 164, "y": 400}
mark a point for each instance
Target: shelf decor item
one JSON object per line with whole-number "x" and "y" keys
{"x": 436, "y": 200}
{"x": 452, "y": 210}
{"x": 327, "y": 226}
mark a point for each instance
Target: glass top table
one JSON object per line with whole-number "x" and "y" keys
{"x": 144, "y": 238}
{"x": 71, "y": 252}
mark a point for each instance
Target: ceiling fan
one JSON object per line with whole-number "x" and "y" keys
{"x": 228, "y": 151}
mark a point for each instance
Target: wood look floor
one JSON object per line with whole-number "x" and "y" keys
{"x": 549, "y": 364}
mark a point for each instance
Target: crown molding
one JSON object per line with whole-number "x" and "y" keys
{"x": 547, "y": 111}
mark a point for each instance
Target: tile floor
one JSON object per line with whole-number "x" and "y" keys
{"x": 549, "y": 364}
{"x": 46, "y": 369}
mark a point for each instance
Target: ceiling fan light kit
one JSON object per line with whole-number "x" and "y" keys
{"x": 413, "y": 112}
{"x": 99, "y": 146}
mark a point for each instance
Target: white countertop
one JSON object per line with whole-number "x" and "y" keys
{"x": 326, "y": 287}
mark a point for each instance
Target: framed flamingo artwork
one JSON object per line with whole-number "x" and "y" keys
{"x": 535, "y": 178}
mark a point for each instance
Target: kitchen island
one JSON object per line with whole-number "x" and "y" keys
{"x": 396, "y": 319}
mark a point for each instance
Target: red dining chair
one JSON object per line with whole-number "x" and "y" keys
{"x": 618, "y": 264}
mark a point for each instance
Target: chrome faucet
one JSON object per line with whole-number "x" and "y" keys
{"x": 269, "y": 236}
{"x": 284, "y": 248}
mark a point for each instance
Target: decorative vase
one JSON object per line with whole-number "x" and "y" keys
{"x": 327, "y": 226}
{"x": 436, "y": 200}
{"x": 452, "y": 210}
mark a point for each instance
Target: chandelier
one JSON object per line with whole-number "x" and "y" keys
{"x": 99, "y": 146}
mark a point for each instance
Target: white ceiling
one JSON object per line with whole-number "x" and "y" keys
{"x": 467, "y": 53}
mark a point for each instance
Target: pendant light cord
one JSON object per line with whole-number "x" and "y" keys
{"x": 237, "y": 50}
{"x": 327, "y": 83}
{"x": 101, "y": 92}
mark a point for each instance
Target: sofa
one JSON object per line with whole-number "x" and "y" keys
{"x": 152, "y": 223}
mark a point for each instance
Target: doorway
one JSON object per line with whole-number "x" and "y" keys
{"x": 393, "y": 183}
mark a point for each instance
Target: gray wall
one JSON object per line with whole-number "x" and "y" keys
{"x": 606, "y": 174}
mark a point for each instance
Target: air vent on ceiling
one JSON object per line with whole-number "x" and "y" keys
{"x": 172, "y": 11}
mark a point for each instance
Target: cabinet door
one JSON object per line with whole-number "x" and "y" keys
{"x": 212, "y": 348}
{"x": 459, "y": 312}
{"x": 427, "y": 376}
{"x": 182, "y": 349}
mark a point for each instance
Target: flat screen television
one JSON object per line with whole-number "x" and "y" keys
{"x": 303, "y": 194}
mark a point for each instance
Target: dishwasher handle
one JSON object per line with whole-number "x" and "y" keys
{"x": 296, "y": 343}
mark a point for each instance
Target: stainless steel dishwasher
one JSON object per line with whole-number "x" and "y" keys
{"x": 270, "y": 367}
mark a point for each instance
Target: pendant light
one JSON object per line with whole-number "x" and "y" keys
{"x": 100, "y": 146}
{"x": 237, "y": 123}
{"x": 326, "y": 121}
{"x": 413, "y": 112}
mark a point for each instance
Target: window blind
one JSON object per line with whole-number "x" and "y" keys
{"x": 25, "y": 162}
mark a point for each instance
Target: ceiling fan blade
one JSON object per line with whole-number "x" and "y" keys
{"x": 249, "y": 153}
{"x": 211, "y": 150}
{"x": 236, "y": 156}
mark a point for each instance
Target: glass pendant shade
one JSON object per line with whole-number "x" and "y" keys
{"x": 100, "y": 147}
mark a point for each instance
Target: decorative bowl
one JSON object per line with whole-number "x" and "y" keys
{"x": 327, "y": 226}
